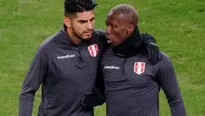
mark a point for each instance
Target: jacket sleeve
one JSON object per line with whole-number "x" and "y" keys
{"x": 168, "y": 81}
{"x": 35, "y": 75}
{"x": 100, "y": 86}
{"x": 99, "y": 79}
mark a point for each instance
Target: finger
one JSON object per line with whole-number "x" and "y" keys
{"x": 149, "y": 53}
{"x": 153, "y": 56}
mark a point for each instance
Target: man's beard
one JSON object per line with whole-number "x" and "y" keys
{"x": 78, "y": 36}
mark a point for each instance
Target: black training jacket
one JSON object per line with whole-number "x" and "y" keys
{"x": 66, "y": 71}
{"x": 132, "y": 85}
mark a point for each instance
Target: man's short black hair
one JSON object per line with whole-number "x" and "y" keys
{"x": 74, "y": 6}
{"x": 128, "y": 11}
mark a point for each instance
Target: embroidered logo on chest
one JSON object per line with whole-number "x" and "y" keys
{"x": 93, "y": 50}
{"x": 112, "y": 67}
{"x": 139, "y": 67}
{"x": 66, "y": 56}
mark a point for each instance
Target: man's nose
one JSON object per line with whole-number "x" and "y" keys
{"x": 89, "y": 26}
{"x": 108, "y": 30}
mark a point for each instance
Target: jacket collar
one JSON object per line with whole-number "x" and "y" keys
{"x": 131, "y": 46}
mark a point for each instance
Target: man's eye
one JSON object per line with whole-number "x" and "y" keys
{"x": 114, "y": 26}
{"x": 83, "y": 21}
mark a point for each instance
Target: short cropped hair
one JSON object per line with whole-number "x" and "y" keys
{"x": 74, "y": 6}
{"x": 126, "y": 9}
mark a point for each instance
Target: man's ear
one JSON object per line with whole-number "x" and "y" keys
{"x": 67, "y": 21}
{"x": 130, "y": 29}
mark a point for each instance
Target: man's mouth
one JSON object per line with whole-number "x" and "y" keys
{"x": 108, "y": 40}
{"x": 88, "y": 32}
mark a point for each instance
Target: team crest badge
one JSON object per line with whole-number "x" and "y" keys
{"x": 139, "y": 67}
{"x": 93, "y": 50}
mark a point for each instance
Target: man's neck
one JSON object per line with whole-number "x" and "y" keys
{"x": 131, "y": 46}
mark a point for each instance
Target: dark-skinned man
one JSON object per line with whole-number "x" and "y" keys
{"x": 132, "y": 82}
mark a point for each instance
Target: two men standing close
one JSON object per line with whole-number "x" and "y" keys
{"x": 77, "y": 68}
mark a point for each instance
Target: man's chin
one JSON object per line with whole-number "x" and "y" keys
{"x": 87, "y": 37}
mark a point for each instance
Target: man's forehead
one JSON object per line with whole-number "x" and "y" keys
{"x": 85, "y": 14}
{"x": 115, "y": 15}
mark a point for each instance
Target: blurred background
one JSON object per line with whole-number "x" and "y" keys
{"x": 177, "y": 25}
